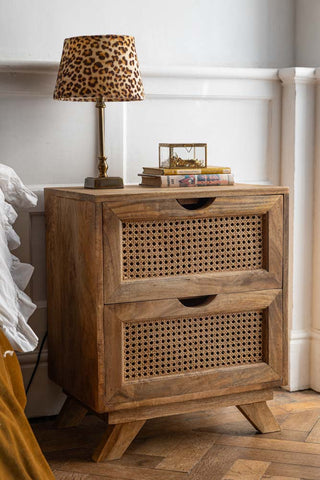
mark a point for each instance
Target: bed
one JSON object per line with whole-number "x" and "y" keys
{"x": 20, "y": 454}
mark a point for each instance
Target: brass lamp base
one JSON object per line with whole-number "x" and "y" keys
{"x": 104, "y": 182}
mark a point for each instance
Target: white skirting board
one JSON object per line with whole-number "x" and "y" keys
{"x": 44, "y": 398}
{"x": 315, "y": 360}
{"x": 299, "y": 360}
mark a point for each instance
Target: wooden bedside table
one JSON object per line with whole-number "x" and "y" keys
{"x": 166, "y": 301}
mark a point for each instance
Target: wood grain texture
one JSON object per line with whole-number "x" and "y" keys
{"x": 274, "y": 233}
{"x": 314, "y": 435}
{"x": 302, "y": 421}
{"x": 274, "y": 332}
{"x": 207, "y": 382}
{"x": 187, "y": 452}
{"x": 281, "y": 478}
{"x": 144, "y": 413}
{"x": 75, "y": 302}
{"x": 246, "y": 470}
{"x": 172, "y": 307}
{"x": 71, "y": 414}
{"x": 296, "y": 471}
{"x": 118, "y": 289}
{"x": 153, "y": 208}
{"x": 200, "y": 284}
{"x": 260, "y": 416}
{"x": 270, "y": 444}
{"x": 80, "y": 193}
{"x": 60, "y": 475}
{"x": 116, "y": 440}
{"x": 285, "y": 277}
{"x": 218, "y": 460}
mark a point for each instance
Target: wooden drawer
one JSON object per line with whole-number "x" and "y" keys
{"x": 172, "y": 350}
{"x": 169, "y": 247}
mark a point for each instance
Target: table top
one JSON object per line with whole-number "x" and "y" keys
{"x": 100, "y": 195}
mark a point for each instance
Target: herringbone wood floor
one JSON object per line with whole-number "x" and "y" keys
{"x": 213, "y": 445}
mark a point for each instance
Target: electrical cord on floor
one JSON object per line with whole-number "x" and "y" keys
{"x": 37, "y": 362}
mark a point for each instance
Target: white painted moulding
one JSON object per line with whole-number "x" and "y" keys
{"x": 286, "y": 75}
{"x": 45, "y": 67}
{"x": 314, "y": 360}
{"x": 297, "y": 75}
{"x": 299, "y": 334}
{"x": 317, "y": 74}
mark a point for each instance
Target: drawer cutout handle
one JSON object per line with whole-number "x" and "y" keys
{"x": 195, "y": 203}
{"x": 197, "y": 301}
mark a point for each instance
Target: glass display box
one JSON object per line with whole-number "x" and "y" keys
{"x": 182, "y": 155}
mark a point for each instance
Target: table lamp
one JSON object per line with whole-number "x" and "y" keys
{"x": 99, "y": 68}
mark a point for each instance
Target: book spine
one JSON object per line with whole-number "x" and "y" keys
{"x": 196, "y": 180}
{"x": 196, "y": 171}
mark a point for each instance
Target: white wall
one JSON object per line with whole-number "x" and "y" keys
{"x": 247, "y": 33}
{"x": 40, "y": 137}
{"x": 307, "y": 33}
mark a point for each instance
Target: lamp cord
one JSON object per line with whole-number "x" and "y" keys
{"x": 37, "y": 362}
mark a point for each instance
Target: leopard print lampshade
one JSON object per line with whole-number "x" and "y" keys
{"x": 99, "y": 67}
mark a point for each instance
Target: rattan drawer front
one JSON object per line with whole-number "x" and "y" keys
{"x": 161, "y": 249}
{"x": 191, "y": 343}
{"x": 174, "y": 247}
{"x": 164, "y": 348}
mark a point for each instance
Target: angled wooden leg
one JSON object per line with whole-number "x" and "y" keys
{"x": 260, "y": 416}
{"x": 71, "y": 413}
{"x": 116, "y": 440}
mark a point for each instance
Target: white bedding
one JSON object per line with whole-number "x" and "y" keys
{"x": 15, "y": 306}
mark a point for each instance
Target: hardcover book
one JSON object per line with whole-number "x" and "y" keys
{"x": 167, "y": 181}
{"x": 185, "y": 171}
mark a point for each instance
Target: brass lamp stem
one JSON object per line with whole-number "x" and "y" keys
{"x": 103, "y": 180}
{"x": 102, "y": 165}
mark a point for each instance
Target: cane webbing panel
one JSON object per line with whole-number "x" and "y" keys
{"x": 194, "y": 245}
{"x": 154, "y": 348}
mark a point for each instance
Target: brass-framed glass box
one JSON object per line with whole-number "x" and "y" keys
{"x": 182, "y": 155}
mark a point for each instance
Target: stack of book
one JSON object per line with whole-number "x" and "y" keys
{"x": 186, "y": 177}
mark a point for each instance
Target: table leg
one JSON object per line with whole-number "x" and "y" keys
{"x": 260, "y": 416}
{"x": 116, "y": 440}
{"x": 71, "y": 414}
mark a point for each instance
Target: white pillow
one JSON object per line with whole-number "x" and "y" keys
{"x": 15, "y": 306}
{"x": 15, "y": 192}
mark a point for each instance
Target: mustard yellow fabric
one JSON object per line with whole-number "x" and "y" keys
{"x": 20, "y": 454}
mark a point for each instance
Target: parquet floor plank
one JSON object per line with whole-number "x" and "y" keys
{"x": 275, "y": 456}
{"x": 69, "y": 476}
{"x": 159, "y": 445}
{"x": 259, "y": 442}
{"x": 302, "y": 421}
{"x": 60, "y": 475}
{"x": 141, "y": 461}
{"x": 246, "y": 470}
{"x": 296, "y": 471}
{"x": 57, "y": 459}
{"x": 236, "y": 428}
{"x": 301, "y": 406}
{"x": 292, "y": 435}
{"x": 314, "y": 435}
{"x": 280, "y": 478}
{"x": 217, "y": 461}
{"x": 188, "y": 452}
{"x": 117, "y": 471}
